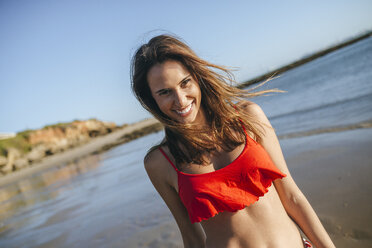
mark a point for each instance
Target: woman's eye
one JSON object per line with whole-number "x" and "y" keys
{"x": 163, "y": 92}
{"x": 185, "y": 82}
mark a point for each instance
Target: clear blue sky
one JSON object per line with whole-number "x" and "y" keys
{"x": 66, "y": 60}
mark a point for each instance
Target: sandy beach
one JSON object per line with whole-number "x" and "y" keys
{"x": 333, "y": 170}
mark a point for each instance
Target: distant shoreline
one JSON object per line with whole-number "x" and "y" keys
{"x": 302, "y": 61}
{"x": 134, "y": 131}
{"x": 334, "y": 129}
{"x": 94, "y": 146}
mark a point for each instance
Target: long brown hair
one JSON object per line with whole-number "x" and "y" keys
{"x": 186, "y": 142}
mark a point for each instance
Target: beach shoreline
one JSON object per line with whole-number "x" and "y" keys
{"x": 103, "y": 143}
{"x": 94, "y": 146}
{"x": 332, "y": 169}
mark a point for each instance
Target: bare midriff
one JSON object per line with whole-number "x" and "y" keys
{"x": 262, "y": 224}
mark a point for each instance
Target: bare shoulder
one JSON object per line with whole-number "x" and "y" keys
{"x": 245, "y": 104}
{"x": 256, "y": 112}
{"x": 159, "y": 169}
{"x": 154, "y": 163}
{"x": 253, "y": 109}
{"x": 152, "y": 159}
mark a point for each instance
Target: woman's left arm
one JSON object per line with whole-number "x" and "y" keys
{"x": 294, "y": 201}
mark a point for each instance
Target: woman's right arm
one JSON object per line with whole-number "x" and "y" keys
{"x": 160, "y": 171}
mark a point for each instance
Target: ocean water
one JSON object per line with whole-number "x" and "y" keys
{"x": 97, "y": 201}
{"x": 102, "y": 200}
{"x": 332, "y": 91}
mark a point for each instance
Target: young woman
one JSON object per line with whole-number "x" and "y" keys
{"x": 220, "y": 168}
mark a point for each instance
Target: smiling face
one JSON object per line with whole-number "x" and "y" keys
{"x": 176, "y": 92}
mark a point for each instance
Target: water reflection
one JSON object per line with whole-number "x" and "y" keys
{"x": 41, "y": 187}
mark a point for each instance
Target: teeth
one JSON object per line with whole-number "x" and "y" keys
{"x": 185, "y": 110}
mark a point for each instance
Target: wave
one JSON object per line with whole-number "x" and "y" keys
{"x": 323, "y": 106}
{"x": 331, "y": 129}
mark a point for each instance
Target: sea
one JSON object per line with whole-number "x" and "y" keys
{"x": 103, "y": 200}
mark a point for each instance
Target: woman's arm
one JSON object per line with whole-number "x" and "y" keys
{"x": 294, "y": 201}
{"x": 159, "y": 172}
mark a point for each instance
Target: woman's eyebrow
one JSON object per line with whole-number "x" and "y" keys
{"x": 184, "y": 79}
{"x": 161, "y": 90}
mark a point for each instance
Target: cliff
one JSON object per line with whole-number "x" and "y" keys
{"x": 31, "y": 146}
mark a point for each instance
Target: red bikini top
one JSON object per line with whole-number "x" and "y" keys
{"x": 230, "y": 188}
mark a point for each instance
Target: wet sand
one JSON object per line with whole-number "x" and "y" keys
{"x": 335, "y": 176}
{"x": 333, "y": 170}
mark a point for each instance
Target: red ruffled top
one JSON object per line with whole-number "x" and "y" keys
{"x": 230, "y": 188}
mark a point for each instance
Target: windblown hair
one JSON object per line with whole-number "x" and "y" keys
{"x": 189, "y": 143}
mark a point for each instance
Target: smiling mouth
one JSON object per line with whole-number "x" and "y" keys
{"x": 185, "y": 110}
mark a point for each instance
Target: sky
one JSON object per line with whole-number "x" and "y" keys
{"x": 67, "y": 60}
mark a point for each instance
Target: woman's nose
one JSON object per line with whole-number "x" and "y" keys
{"x": 180, "y": 98}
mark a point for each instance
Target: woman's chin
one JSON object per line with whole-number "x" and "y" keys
{"x": 186, "y": 120}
